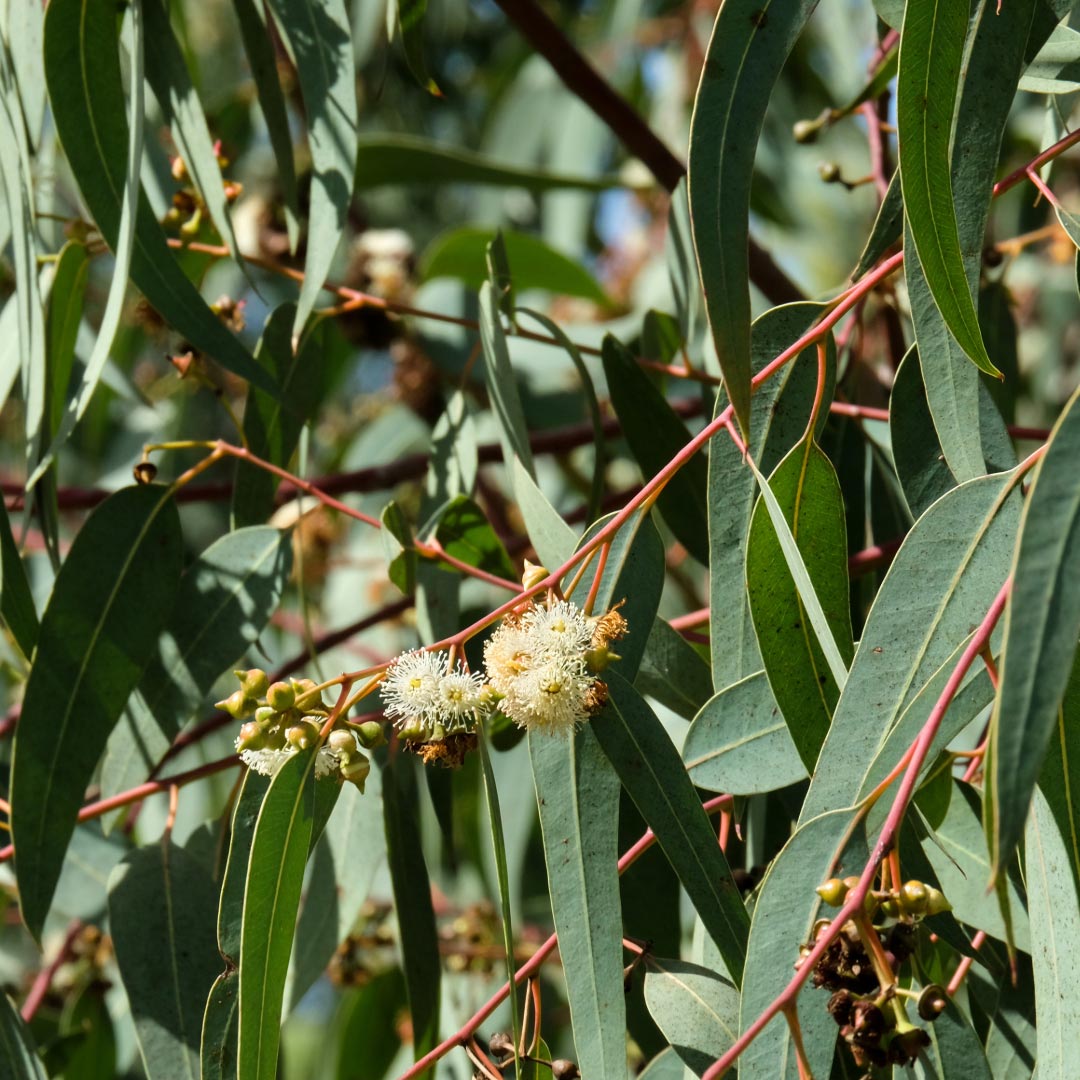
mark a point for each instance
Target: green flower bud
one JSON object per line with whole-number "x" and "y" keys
{"x": 356, "y": 771}
{"x": 280, "y": 696}
{"x": 265, "y": 715}
{"x": 251, "y": 737}
{"x": 914, "y": 897}
{"x": 253, "y": 682}
{"x": 805, "y": 131}
{"x": 371, "y": 734}
{"x": 238, "y": 705}
{"x": 302, "y": 735}
{"x": 833, "y": 892}
{"x": 341, "y": 741}
{"x": 935, "y": 901}
{"x": 533, "y": 574}
{"x": 413, "y": 732}
{"x": 598, "y": 659}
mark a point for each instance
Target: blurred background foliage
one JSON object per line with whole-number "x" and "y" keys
{"x": 377, "y": 384}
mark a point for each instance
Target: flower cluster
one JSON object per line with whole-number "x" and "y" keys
{"x": 284, "y": 718}
{"x": 540, "y": 667}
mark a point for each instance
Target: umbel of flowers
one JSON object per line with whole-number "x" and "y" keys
{"x": 284, "y": 718}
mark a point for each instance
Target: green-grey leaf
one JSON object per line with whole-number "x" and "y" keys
{"x": 887, "y": 230}
{"x": 653, "y": 776}
{"x": 501, "y": 382}
{"x": 673, "y": 672}
{"x": 800, "y": 673}
{"x": 113, "y": 594}
{"x": 16, "y": 600}
{"x": 1054, "y": 910}
{"x": 465, "y": 533}
{"x": 955, "y": 1050}
{"x": 784, "y": 915}
{"x": 82, "y": 68}
{"x": 460, "y": 254}
{"x": 739, "y": 743}
{"x": 750, "y": 41}
{"x": 225, "y": 600}
{"x": 17, "y": 1047}
{"x": 578, "y": 795}
{"x": 161, "y": 894}
{"x": 1042, "y": 624}
{"x": 407, "y": 159}
{"x": 553, "y": 539}
{"x": 275, "y": 875}
{"x": 931, "y": 55}
{"x": 696, "y": 1009}
{"x": 945, "y": 576}
{"x": 780, "y": 411}
{"x": 318, "y": 36}
{"x": 1056, "y": 67}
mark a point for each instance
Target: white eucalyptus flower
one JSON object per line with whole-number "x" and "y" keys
{"x": 411, "y": 688}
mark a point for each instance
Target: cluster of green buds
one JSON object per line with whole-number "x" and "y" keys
{"x": 282, "y": 718}
{"x": 188, "y": 211}
{"x": 861, "y": 967}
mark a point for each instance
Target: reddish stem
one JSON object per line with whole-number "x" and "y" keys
{"x": 45, "y": 976}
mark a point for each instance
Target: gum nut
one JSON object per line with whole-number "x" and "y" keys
{"x": 265, "y": 715}
{"x": 280, "y": 696}
{"x": 561, "y": 1069}
{"x": 253, "y": 682}
{"x": 805, "y": 131}
{"x": 371, "y": 734}
{"x": 914, "y": 897}
{"x": 299, "y": 735}
{"x": 832, "y": 892}
{"x": 251, "y": 737}
{"x": 932, "y": 1002}
{"x": 501, "y": 1043}
{"x": 341, "y": 740}
{"x": 144, "y": 472}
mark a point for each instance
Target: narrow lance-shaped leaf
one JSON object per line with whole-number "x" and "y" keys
{"x": 112, "y": 596}
{"x": 319, "y": 39}
{"x": 275, "y": 876}
{"x": 82, "y": 69}
{"x": 162, "y": 894}
{"x": 931, "y": 54}
{"x": 17, "y": 1044}
{"x": 1042, "y": 624}
{"x": 16, "y": 601}
{"x": 750, "y": 41}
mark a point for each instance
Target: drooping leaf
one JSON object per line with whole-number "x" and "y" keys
{"x": 655, "y": 435}
{"x": 578, "y": 794}
{"x": 62, "y": 324}
{"x": 501, "y": 385}
{"x": 25, "y": 30}
{"x": 696, "y": 1009}
{"x": 750, "y": 42}
{"x": 263, "y": 64}
{"x": 82, "y": 68}
{"x": 1054, "y": 909}
{"x": 17, "y": 1044}
{"x": 162, "y": 894}
{"x": 931, "y": 55}
{"x": 410, "y": 21}
{"x": 1042, "y": 624}
{"x": 739, "y": 743}
{"x": 553, "y": 539}
{"x": 780, "y": 411}
{"x": 803, "y": 685}
{"x": 225, "y": 600}
{"x": 272, "y": 424}
{"x": 1059, "y": 780}
{"x": 887, "y": 230}
{"x": 653, "y": 776}
{"x": 318, "y": 36}
{"x": 113, "y": 594}
{"x": 412, "y": 900}
{"x": 275, "y": 874}
{"x": 407, "y": 159}
{"x": 460, "y": 254}
{"x": 940, "y": 584}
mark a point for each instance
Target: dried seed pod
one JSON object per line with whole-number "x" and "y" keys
{"x": 840, "y": 1006}
{"x": 561, "y": 1069}
{"x": 932, "y": 1002}
{"x": 144, "y": 472}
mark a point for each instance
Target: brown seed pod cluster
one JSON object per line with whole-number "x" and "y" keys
{"x": 861, "y": 966}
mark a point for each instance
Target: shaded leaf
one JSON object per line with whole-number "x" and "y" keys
{"x": 655, "y": 434}
{"x": 17, "y": 1045}
{"x": 955, "y": 1050}
{"x": 887, "y": 230}
{"x": 501, "y": 385}
{"x": 161, "y": 894}
{"x": 465, "y": 533}
{"x": 750, "y": 42}
{"x": 16, "y": 601}
{"x": 113, "y": 594}
{"x": 653, "y": 776}
{"x": 1056, "y": 67}
{"x": 673, "y": 672}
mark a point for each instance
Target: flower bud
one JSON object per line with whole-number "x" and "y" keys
{"x": 936, "y": 902}
{"x": 302, "y": 735}
{"x": 914, "y": 897}
{"x": 598, "y": 659}
{"x": 413, "y": 732}
{"x": 341, "y": 741}
{"x": 500, "y": 1043}
{"x": 238, "y": 705}
{"x": 562, "y": 1069}
{"x": 251, "y": 737}
{"x": 533, "y": 574}
{"x": 144, "y": 472}
{"x": 356, "y": 770}
{"x": 371, "y": 734}
{"x": 833, "y": 892}
{"x": 805, "y": 131}
{"x": 829, "y": 171}
{"x": 280, "y": 696}
{"x": 253, "y": 682}
{"x": 265, "y": 715}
